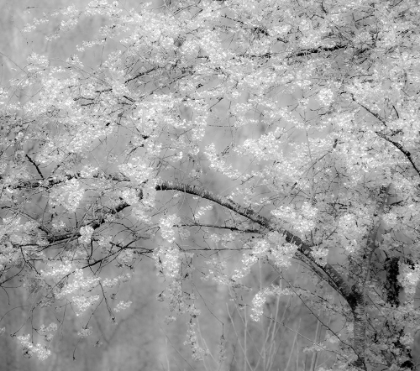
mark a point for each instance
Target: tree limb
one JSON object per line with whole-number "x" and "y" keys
{"x": 380, "y": 134}
{"x": 326, "y": 272}
{"x": 35, "y": 165}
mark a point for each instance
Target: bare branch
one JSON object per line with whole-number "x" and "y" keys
{"x": 231, "y": 228}
{"x": 35, "y": 165}
{"x": 406, "y": 153}
{"x": 397, "y": 145}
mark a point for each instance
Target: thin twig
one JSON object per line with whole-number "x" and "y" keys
{"x": 35, "y": 165}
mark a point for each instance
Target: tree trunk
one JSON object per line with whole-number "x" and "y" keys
{"x": 359, "y": 332}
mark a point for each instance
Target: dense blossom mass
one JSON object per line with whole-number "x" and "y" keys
{"x": 288, "y": 130}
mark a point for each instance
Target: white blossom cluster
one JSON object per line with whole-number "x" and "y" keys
{"x": 174, "y": 295}
{"x": 122, "y": 305}
{"x": 218, "y": 164}
{"x": 274, "y": 248}
{"x": 260, "y": 299}
{"x": 349, "y": 232}
{"x": 409, "y": 278}
{"x": 282, "y": 254}
{"x": 48, "y": 332}
{"x": 168, "y": 261}
{"x": 302, "y": 220}
{"x": 180, "y": 302}
{"x": 9, "y": 255}
{"x": 52, "y": 327}
{"x": 169, "y": 319}
{"x": 258, "y": 303}
{"x": 137, "y": 170}
{"x": 20, "y": 173}
{"x": 82, "y": 303}
{"x": 86, "y": 233}
{"x": 326, "y": 96}
{"x": 13, "y": 231}
{"x": 149, "y": 195}
{"x": 79, "y": 282}
{"x": 58, "y": 224}
{"x": 266, "y": 147}
{"x": 167, "y": 229}
{"x": 69, "y": 195}
{"x": 58, "y": 270}
{"x": 212, "y": 45}
{"x": 216, "y": 271}
{"x": 104, "y": 241}
{"x": 184, "y": 233}
{"x": 112, "y": 282}
{"x": 390, "y": 219}
{"x": 320, "y": 254}
{"x": 119, "y": 89}
{"x": 29, "y": 27}
{"x": 85, "y": 332}
{"x": 318, "y": 347}
{"x": 139, "y": 212}
{"x": 88, "y": 171}
{"x": 201, "y": 211}
{"x": 126, "y": 257}
{"x": 198, "y": 353}
{"x": 200, "y": 123}
{"x": 36, "y": 61}
{"x": 29, "y": 349}
{"x": 130, "y": 196}
{"x": 259, "y": 250}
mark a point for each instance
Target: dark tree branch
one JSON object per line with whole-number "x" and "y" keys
{"x": 318, "y": 50}
{"x": 139, "y": 75}
{"x": 230, "y": 228}
{"x": 397, "y": 145}
{"x": 326, "y": 272}
{"x": 95, "y": 225}
{"x": 367, "y": 109}
{"x": 406, "y": 153}
{"x": 35, "y": 165}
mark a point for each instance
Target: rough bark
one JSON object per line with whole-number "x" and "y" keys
{"x": 359, "y": 331}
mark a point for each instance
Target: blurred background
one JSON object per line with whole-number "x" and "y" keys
{"x": 139, "y": 338}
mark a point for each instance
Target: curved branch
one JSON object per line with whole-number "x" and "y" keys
{"x": 35, "y": 165}
{"x": 327, "y": 272}
{"x": 230, "y": 228}
{"x": 397, "y": 145}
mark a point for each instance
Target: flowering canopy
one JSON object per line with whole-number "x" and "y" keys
{"x": 309, "y": 113}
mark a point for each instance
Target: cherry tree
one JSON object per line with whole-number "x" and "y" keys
{"x": 285, "y": 129}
